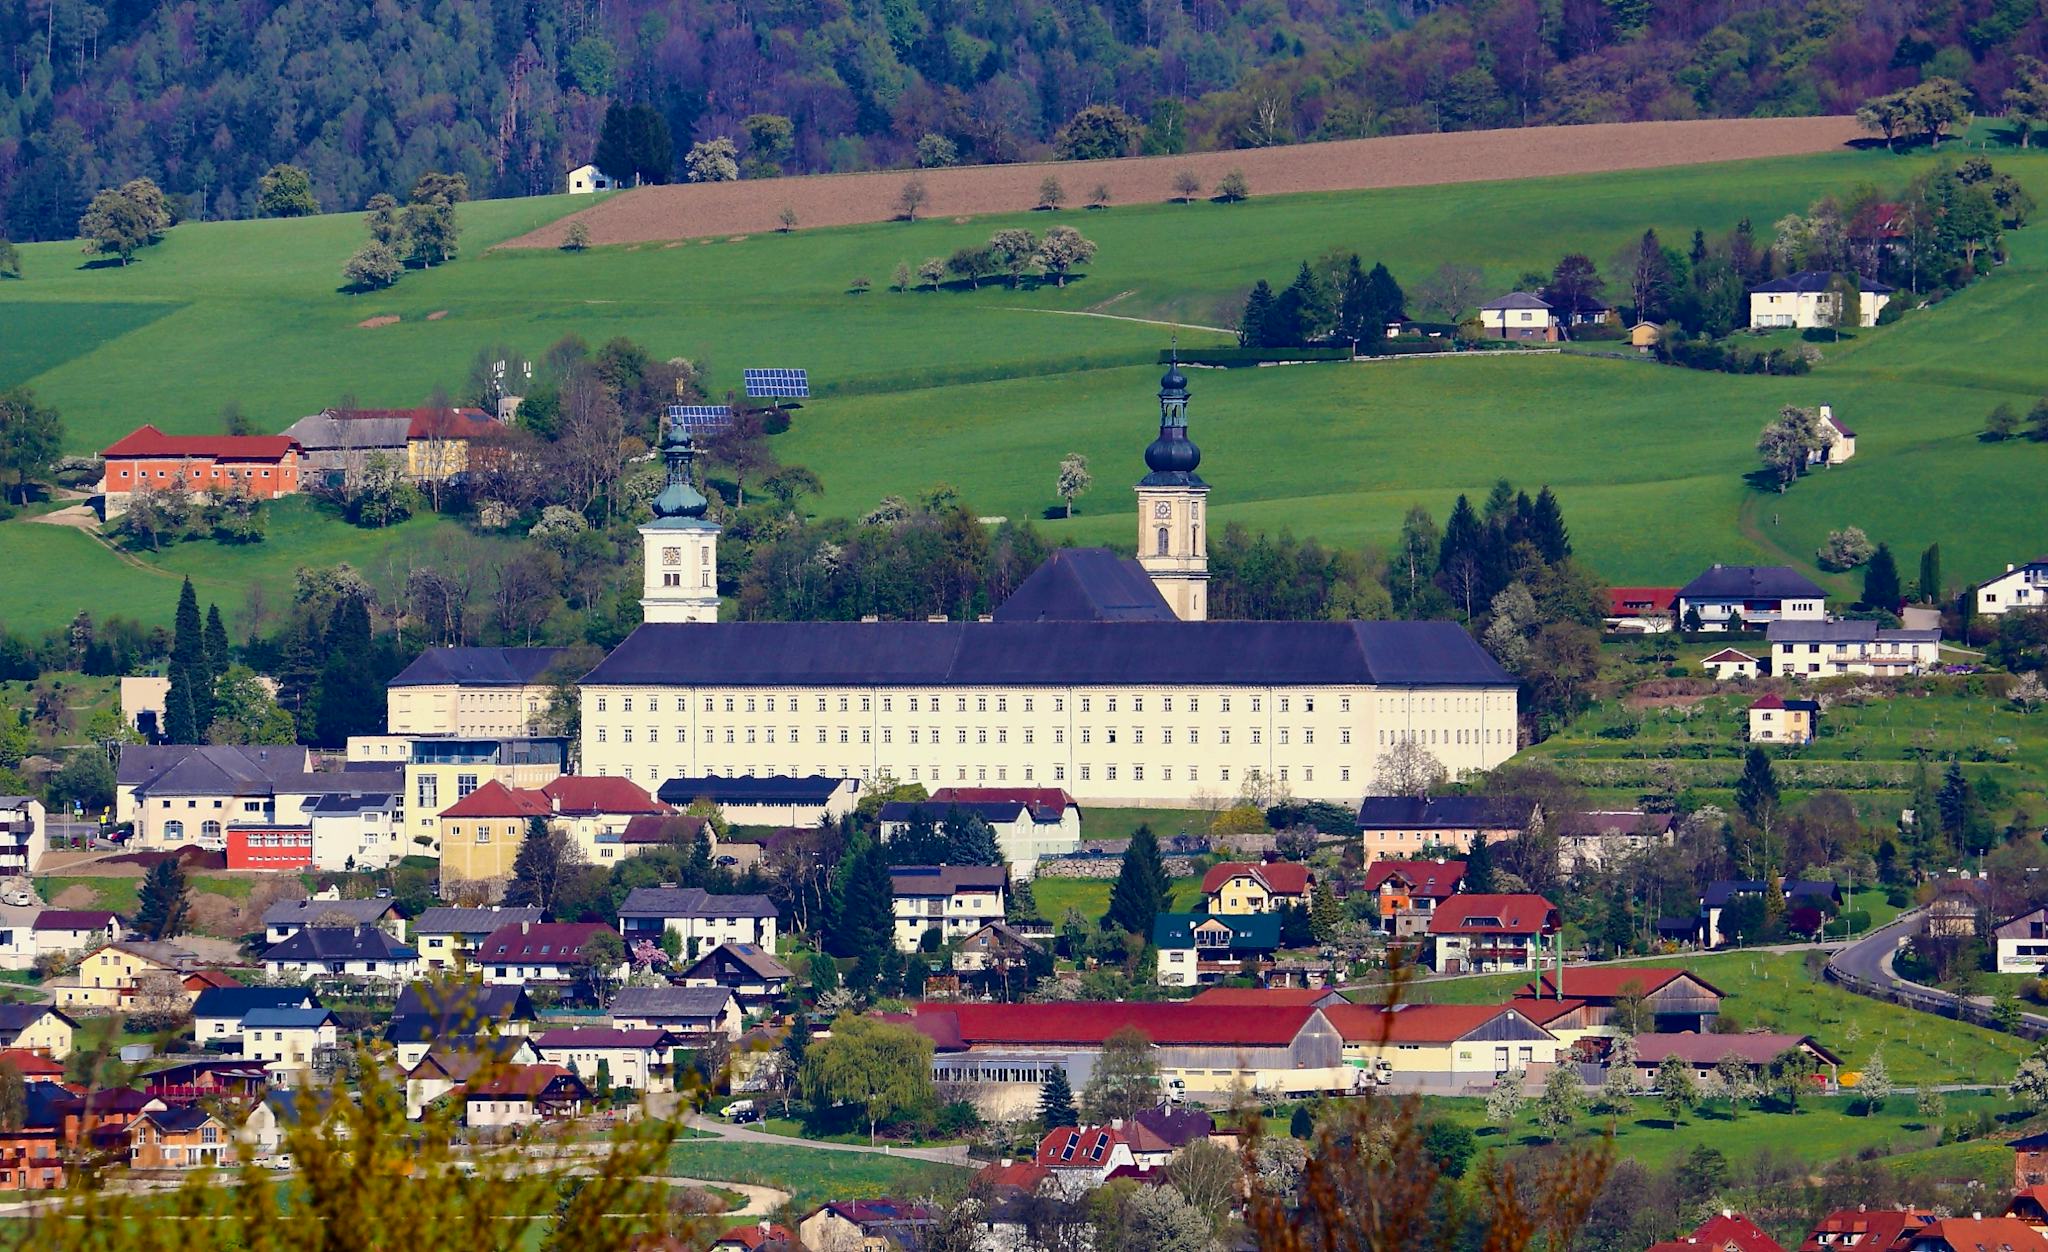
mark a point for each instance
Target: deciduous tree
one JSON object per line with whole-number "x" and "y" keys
{"x": 286, "y": 191}
{"x": 31, "y": 437}
{"x": 1074, "y": 479}
{"x": 1125, "y": 1079}
{"x": 882, "y": 1069}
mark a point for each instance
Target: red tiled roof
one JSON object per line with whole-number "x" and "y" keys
{"x": 147, "y": 441}
{"x": 1283, "y": 878}
{"x": 521, "y": 1080}
{"x": 1263, "y": 997}
{"x": 1771, "y": 701}
{"x": 1757, "y": 1049}
{"x": 1544, "y": 1012}
{"x": 495, "y": 799}
{"x": 1090, "y": 1023}
{"x": 1609, "y": 982}
{"x": 1017, "y": 1175}
{"x": 543, "y": 943}
{"x": 1075, "y": 1147}
{"x": 31, "y": 1065}
{"x": 1494, "y": 915}
{"x": 1435, "y": 880}
{"x": 1627, "y": 601}
{"x": 1872, "y": 1230}
{"x": 1049, "y": 800}
{"x": 754, "y": 1235}
{"x": 1411, "y": 1023}
{"x": 1981, "y": 1234}
{"x": 1734, "y": 1231}
{"x": 453, "y": 424}
{"x": 1729, "y": 656}
{"x": 574, "y": 793}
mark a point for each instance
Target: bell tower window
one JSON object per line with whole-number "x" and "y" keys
{"x": 1162, "y": 541}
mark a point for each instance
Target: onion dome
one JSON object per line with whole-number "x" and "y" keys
{"x": 679, "y": 499}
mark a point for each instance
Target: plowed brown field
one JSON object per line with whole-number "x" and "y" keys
{"x": 694, "y": 210}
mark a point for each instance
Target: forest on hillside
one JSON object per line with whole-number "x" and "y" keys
{"x": 204, "y": 96}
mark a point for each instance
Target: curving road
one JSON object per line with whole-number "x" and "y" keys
{"x": 1865, "y": 967}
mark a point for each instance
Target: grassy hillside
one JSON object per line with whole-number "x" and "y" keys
{"x": 1648, "y": 460}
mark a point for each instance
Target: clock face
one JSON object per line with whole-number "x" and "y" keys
{"x": 671, "y": 556}
{"x": 1162, "y": 509}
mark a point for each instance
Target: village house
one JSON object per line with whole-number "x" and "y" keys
{"x": 1641, "y": 610}
{"x": 1730, "y": 664}
{"x": 289, "y": 1038}
{"x": 1002, "y": 1053}
{"x": 996, "y": 948}
{"x": 693, "y": 1015}
{"x": 1029, "y": 822}
{"x": 1475, "y": 934}
{"x": 1407, "y": 892}
{"x": 865, "y": 1226}
{"x": 761, "y": 1236}
{"x": 185, "y": 1137}
{"x": 1394, "y": 827}
{"x": 596, "y": 811}
{"x": 1807, "y": 650}
{"x": 1447, "y": 1045}
{"x": 441, "y": 771}
{"x": 31, "y": 1159}
{"x": 2019, "y": 587}
{"x": 1962, "y": 906}
{"x": 1241, "y": 887}
{"x": 1200, "y": 948}
{"x": 24, "y": 835}
{"x": 1079, "y": 1159}
{"x": 753, "y": 975}
{"x": 358, "y": 829}
{"x": 481, "y": 834}
{"x": 1729, "y": 597}
{"x": 339, "y": 954}
{"x": 217, "y": 1013}
{"x": 74, "y": 930}
{"x": 455, "y": 1014}
{"x": 444, "y": 1067}
{"x": 2030, "y": 1160}
{"x": 523, "y": 1095}
{"x": 641, "y": 1059}
{"x": 36, "y": 1028}
{"x": 1774, "y": 719}
{"x": 113, "y": 975}
{"x": 1977, "y": 1233}
{"x": 260, "y": 466}
{"x": 426, "y": 445}
{"x": 808, "y": 800}
{"x": 1599, "y": 837}
{"x": 1815, "y": 893}
{"x": 952, "y": 900}
{"x": 1519, "y": 315}
{"x": 267, "y": 1121}
{"x": 447, "y": 938}
{"x": 18, "y": 948}
{"x": 286, "y": 918}
{"x": 587, "y": 178}
{"x": 191, "y": 794}
{"x": 1726, "y": 1231}
{"x": 700, "y": 919}
{"x": 473, "y": 693}
{"x": 1670, "y": 1000}
{"x": 1805, "y": 301}
{"x": 2023, "y": 944}
{"x": 549, "y": 953}
{"x": 1866, "y": 1230}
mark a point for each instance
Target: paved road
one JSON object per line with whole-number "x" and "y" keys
{"x": 747, "y": 1134}
{"x": 1865, "y": 967}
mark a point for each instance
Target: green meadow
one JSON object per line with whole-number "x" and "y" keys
{"x": 986, "y": 389}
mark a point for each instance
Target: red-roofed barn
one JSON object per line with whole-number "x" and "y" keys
{"x": 264, "y": 466}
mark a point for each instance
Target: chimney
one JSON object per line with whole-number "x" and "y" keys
{"x": 525, "y": 927}
{"x": 1727, "y": 1212}
{"x": 936, "y": 617}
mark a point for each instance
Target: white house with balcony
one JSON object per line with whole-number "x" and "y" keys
{"x": 2019, "y": 587}
{"x": 1805, "y": 301}
{"x": 24, "y": 835}
{"x": 1804, "y": 650}
{"x": 955, "y": 900}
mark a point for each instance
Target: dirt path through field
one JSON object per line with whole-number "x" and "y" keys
{"x": 703, "y": 209}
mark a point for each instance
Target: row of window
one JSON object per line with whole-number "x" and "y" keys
{"x": 652, "y": 703}
{"x": 1443, "y": 738}
{"x": 1192, "y": 773}
{"x": 766, "y": 734}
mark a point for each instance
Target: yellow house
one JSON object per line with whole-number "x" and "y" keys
{"x": 1465, "y": 1040}
{"x": 111, "y": 975}
{"x": 1241, "y": 887}
{"x": 445, "y": 771}
{"x": 36, "y": 1028}
{"x": 1774, "y": 719}
{"x": 480, "y": 833}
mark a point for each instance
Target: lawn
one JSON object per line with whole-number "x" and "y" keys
{"x": 1822, "y": 1130}
{"x": 812, "y": 1175}
{"x": 1090, "y": 896}
{"x": 1773, "y": 991}
{"x": 1648, "y": 460}
{"x": 120, "y": 894}
{"x": 1106, "y": 823}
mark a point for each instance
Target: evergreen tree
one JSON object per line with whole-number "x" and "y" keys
{"x": 217, "y": 658}
{"x": 1930, "y": 575}
{"x": 866, "y": 924}
{"x": 1774, "y": 910}
{"x": 614, "y": 157}
{"x": 1479, "y": 875}
{"x": 798, "y": 1041}
{"x": 970, "y": 840}
{"x": 1461, "y": 557}
{"x": 162, "y": 901}
{"x": 1619, "y": 931}
{"x": 1546, "y": 528}
{"x": 190, "y": 699}
{"x": 1881, "y": 580}
{"x": 1354, "y": 311}
{"x": 1962, "y": 812}
{"x": 653, "y": 149}
{"x": 1056, "y": 1101}
{"x": 348, "y": 698}
{"x": 1022, "y": 905}
{"x": 181, "y": 720}
{"x": 1305, "y": 312}
{"x": 1257, "y": 317}
{"x": 1325, "y": 914}
{"x": 1756, "y": 793}
{"x": 537, "y": 869}
{"x": 1141, "y": 887}
{"x": 1384, "y": 300}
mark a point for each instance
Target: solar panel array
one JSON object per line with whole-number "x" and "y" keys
{"x": 778, "y": 384}
{"x": 694, "y": 417}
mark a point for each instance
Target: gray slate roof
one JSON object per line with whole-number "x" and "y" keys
{"x": 1751, "y": 582}
{"x": 325, "y": 433}
{"x": 302, "y": 912}
{"x": 1086, "y": 585}
{"x": 208, "y": 769}
{"x": 1814, "y": 281}
{"x": 1844, "y": 632}
{"x": 340, "y": 943}
{"x": 1441, "y": 813}
{"x": 951, "y": 654}
{"x": 236, "y": 1002}
{"x": 638, "y": 1002}
{"x": 478, "y": 667}
{"x": 692, "y": 902}
{"x": 946, "y": 880}
{"x": 1517, "y": 300}
{"x": 808, "y": 789}
{"x": 448, "y": 921}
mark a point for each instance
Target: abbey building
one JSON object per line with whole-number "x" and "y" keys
{"x": 1100, "y": 674}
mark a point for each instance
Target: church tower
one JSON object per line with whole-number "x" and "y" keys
{"x": 1172, "y": 546}
{"x": 679, "y": 547}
